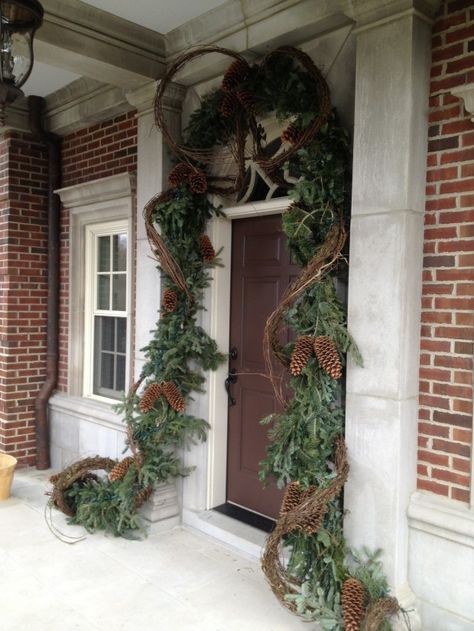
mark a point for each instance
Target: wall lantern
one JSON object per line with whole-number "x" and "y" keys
{"x": 19, "y": 20}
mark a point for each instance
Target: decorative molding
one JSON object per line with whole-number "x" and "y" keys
{"x": 370, "y": 13}
{"x": 142, "y": 99}
{"x": 442, "y": 517}
{"x": 102, "y": 190}
{"x": 83, "y": 102}
{"x": 466, "y": 93}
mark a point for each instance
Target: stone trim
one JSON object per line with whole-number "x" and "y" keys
{"x": 442, "y": 517}
{"x": 89, "y": 410}
{"x": 466, "y": 93}
{"x": 108, "y": 188}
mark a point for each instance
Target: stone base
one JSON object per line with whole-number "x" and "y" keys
{"x": 162, "y": 505}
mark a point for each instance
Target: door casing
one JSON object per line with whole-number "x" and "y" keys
{"x": 220, "y": 232}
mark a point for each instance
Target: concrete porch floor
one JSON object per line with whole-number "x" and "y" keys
{"x": 176, "y": 579}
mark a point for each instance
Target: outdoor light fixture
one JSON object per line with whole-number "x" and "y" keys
{"x": 19, "y": 20}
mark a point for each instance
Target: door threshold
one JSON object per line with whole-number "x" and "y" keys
{"x": 230, "y": 532}
{"x": 246, "y": 516}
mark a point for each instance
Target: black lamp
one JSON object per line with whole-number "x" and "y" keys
{"x": 19, "y": 20}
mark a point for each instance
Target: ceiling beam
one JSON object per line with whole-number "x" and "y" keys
{"x": 90, "y": 42}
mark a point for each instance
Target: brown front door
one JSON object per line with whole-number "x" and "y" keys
{"x": 261, "y": 271}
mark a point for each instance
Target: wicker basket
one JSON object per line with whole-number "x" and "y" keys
{"x": 7, "y": 467}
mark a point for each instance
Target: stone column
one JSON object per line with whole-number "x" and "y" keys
{"x": 390, "y": 141}
{"x": 153, "y": 166}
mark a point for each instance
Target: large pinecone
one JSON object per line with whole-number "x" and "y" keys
{"x": 120, "y": 469}
{"x": 170, "y": 300}
{"x": 174, "y": 396}
{"x": 198, "y": 182}
{"x": 229, "y": 105}
{"x": 247, "y": 100}
{"x": 352, "y": 600}
{"x": 207, "y": 250}
{"x": 179, "y": 173}
{"x": 291, "y": 134}
{"x": 301, "y": 354}
{"x": 143, "y": 495}
{"x": 328, "y": 357}
{"x": 151, "y": 394}
{"x": 291, "y": 499}
{"x": 235, "y": 74}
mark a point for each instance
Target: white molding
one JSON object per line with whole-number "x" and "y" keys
{"x": 88, "y": 410}
{"x": 97, "y": 191}
{"x": 466, "y": 93}
{"x": 143, "y": 98}
{"x": 442, "y": 517}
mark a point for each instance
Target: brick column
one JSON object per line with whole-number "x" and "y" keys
{"x": 23, "y": 290}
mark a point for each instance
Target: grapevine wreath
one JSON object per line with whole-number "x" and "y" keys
{"x": 319, "y": 580}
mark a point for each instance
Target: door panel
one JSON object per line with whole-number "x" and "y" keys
{"x": 261, "y": 271}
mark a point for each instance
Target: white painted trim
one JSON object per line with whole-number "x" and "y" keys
{"x": 218, "y": 298}
{"x": 442, "y": 517}
{"x": 92, "y": 231}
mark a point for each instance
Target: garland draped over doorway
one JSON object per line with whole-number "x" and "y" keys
{"x": 321, "y": 581}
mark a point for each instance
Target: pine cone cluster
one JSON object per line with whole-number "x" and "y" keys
{"x": 235, "y": 75}
{"x": 207, "y": 250}
{"x": 179, "y": 174}
{"x": 170, "y": 300}
{"x": 292, "y": 498}
{"x": 229, "y": 105}
{"x": 291, "y": 134}
{"x": 143, "y": 495}
{"x": 120, "y": 469}
{"x": 328, "y": 357}
{"x": 151, "y": 394}
{"x": 174, "y": 396}
{"x": 352, "y": 600}
{"x": 198, "y": 182}
{"x": 247, "y": 100}
{"x": 301, "y": 354}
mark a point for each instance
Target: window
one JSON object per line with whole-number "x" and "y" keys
{"x": 106, "y": 317}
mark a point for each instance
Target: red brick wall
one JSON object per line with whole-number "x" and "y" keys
{"x": 96, "y": 152}
{"x": 447, "y": 333}
{"x": 23, "y": 290}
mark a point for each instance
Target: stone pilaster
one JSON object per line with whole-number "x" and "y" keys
{"x": 390, "y": 140}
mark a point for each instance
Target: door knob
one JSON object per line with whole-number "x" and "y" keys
{"x": 231, "y": 378}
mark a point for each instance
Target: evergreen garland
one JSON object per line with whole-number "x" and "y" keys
{"x": 303, "y": 437}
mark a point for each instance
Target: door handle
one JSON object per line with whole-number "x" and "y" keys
{"x": 231, "y": 378}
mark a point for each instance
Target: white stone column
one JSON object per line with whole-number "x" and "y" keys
{"x": 153, "y": 166}
{"x": 390, "y": 140}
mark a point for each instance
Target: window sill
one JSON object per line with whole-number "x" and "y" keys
{"x": 442, "y": 517}
{"x": 90, "y": 410}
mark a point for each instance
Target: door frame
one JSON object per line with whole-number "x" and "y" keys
{"x": 218, "y": 314}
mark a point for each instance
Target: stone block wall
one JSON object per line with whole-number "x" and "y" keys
{"x": 447, "y": 332}
{"x": 23, "y": 289}
{"x": 92, "y": 153}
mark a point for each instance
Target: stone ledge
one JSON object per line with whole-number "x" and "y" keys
{"x": 442, "y": 517}
{"x": 88, "y": 410}
{"x": 101, "y": 190}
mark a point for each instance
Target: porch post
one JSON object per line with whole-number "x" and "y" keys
{"x": 153, "y": 165}
{"x": 390, "y": 141}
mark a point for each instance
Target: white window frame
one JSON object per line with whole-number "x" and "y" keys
{"x": 92, "y": 234}
{"x": 106, "y": 200}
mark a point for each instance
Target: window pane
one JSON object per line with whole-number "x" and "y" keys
{"x": 106, "y": 371}
{"x": 104, "y": 254}
{"x": 120, "y": 374}
{"x": 107, "y": 341}
{"x": 120, "y": 252}
{"x": 119, "y": 292}
{"x": 103, "y": 292}
{"x": 121, "y": 335}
